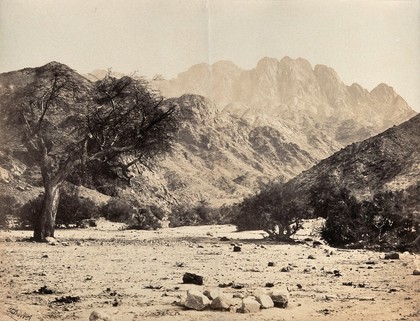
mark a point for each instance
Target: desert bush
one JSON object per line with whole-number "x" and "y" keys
{"x": 146, "y": 218}
{"x": 273, "y": 210}
{"x": 28, "y": 212}
{"x": 73, "y": 209}
{"x": 387, "y": 220}
{"x": 134, "y": 214}
{"x": 118, "y": 210}
{"x": 199, "y": 214}
{"x": 8, "y": 208}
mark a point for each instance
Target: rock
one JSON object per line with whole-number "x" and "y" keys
{"x": 271, "y": 264}
{"x": 280, "y": 298}
{"x": 416, "y": 272}
{"x": 392, "y": 256}
{"x": 191, "y": 278}
{"x": 9, "y": 239}
{"x": 285, "y": 269}
{"x": 311, "y": 257}
{"x": 269, "y": 285}
{"x": 237, "y": 248}
{"x": 265, "y": 301}
{"x": 196, "y": 300}
{"x": 212, "y": 293}
{"x": 222, "y": 303}
{"x": 51, "y": 241}
{"x": 250, "y": 305}
{"x": 224, "y": 239}
{"x": 99, "y": 316}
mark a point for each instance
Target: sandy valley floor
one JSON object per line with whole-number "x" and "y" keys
{"x": 137, "y": 275}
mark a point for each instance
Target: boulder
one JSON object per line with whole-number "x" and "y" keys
{"x": 249, "y": 305}
{"x": 280, "y": 298}
{"x": 99, "y": 316}
{"x": 237, "y": 248}
{"x": 191, "y": 278}
{"x": 265, "y": 301}
{"x": 222, "y": 302}
{"x": 416, "y": 272}
{"x": 212, "y": 293}
{"x": 195, "y": 300}
{"x": 392, "y": 256}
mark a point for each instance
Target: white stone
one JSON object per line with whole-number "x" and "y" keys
{"x": 249, "y": 305}
{"x": 265, "y": 301}
{"x": 196, "y": 300}
{"x": 99, "y": 316}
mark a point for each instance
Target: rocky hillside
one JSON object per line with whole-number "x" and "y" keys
{"x": 389, "y": 161}
{"x": 269, "y": 123}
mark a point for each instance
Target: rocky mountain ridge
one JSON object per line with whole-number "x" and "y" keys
{"x": 263, "y": 126}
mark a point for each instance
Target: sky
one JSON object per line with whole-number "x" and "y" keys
{"x": 366, "y": 41}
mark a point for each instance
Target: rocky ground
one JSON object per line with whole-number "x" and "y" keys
{"x": 137, "y": 275}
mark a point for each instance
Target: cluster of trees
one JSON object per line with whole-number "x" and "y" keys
{"x": 67, "y": 125}
{"x": 388, "y": 219}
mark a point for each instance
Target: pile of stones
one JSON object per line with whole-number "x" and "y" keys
{"x": 216, "y": 300}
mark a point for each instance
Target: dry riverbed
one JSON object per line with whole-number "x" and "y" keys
{"x": 137, "y": 275}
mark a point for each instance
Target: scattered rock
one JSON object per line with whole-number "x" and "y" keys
{"x": 67, "y": 299}
{"x": 271, "y": 264}
{"x": 191, "y": 278}
{"x": 45, "y": 256}
{"x": 65, "y": 243}
{"x": 196, "y": 300}
{"x": 225, "y": 285}
{"x": 337, "y": 273}
{"x": 280, "y": 299}
{"x": 265, "y": 301}
{"x": 238, "y": 286}
{"x": 153, "y": 287}
{"x": 44, "y": 290}
{"x": 299, "y": 286}
{"x": 311, "y": 257}
{"x": 51, "y": 241}
{"x": 306, "y": 270}
{"x": 285, "y": 269}
{"x": 416, "y": 272}
{"x": 9, "y": 239}
{"x": 237, "y": 248}
{"x": 224, "y": 239}
{"x": 99, "y": 316}
{"x": 316, "y": 243}
{"x": 222, "y": 303}
{"x": 269, "y": 285}
{"x": 392, "y": 256}
{"x": 348, "y": 283}
{"x": 250, "y": 305}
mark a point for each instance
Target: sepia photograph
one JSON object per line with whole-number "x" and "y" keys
{"x": 214, "y": 160}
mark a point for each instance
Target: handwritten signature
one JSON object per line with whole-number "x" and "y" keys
{"x": 18, "y": 315}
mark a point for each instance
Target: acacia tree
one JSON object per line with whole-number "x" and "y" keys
{"x": 64, "y": 121}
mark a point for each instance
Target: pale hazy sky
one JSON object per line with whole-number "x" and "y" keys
{"x": 366, "y": 41}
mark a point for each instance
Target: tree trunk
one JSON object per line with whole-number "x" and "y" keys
{"x": 45, "y": 222}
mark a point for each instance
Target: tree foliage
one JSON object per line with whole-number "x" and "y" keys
{"x": 273, "y": 210}
{"x": 390, "y": 219}
{"x": 67, "y": 123}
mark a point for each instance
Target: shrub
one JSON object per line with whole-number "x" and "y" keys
{"x": 73, "y": 209}
{"x": 273, "y": 210}
{"x": 200, "y": 214}
{"x": 118, "y": 210}
{"x": 133, "y": 214}
{"x": 8, "y": 209}
{"x": 386, "y": 220}
{"x": 28, "y": 213}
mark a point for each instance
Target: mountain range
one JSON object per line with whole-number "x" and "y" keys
{"x": 240, "y": 129}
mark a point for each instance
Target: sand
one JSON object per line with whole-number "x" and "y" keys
{"x": 137, "y": 275}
